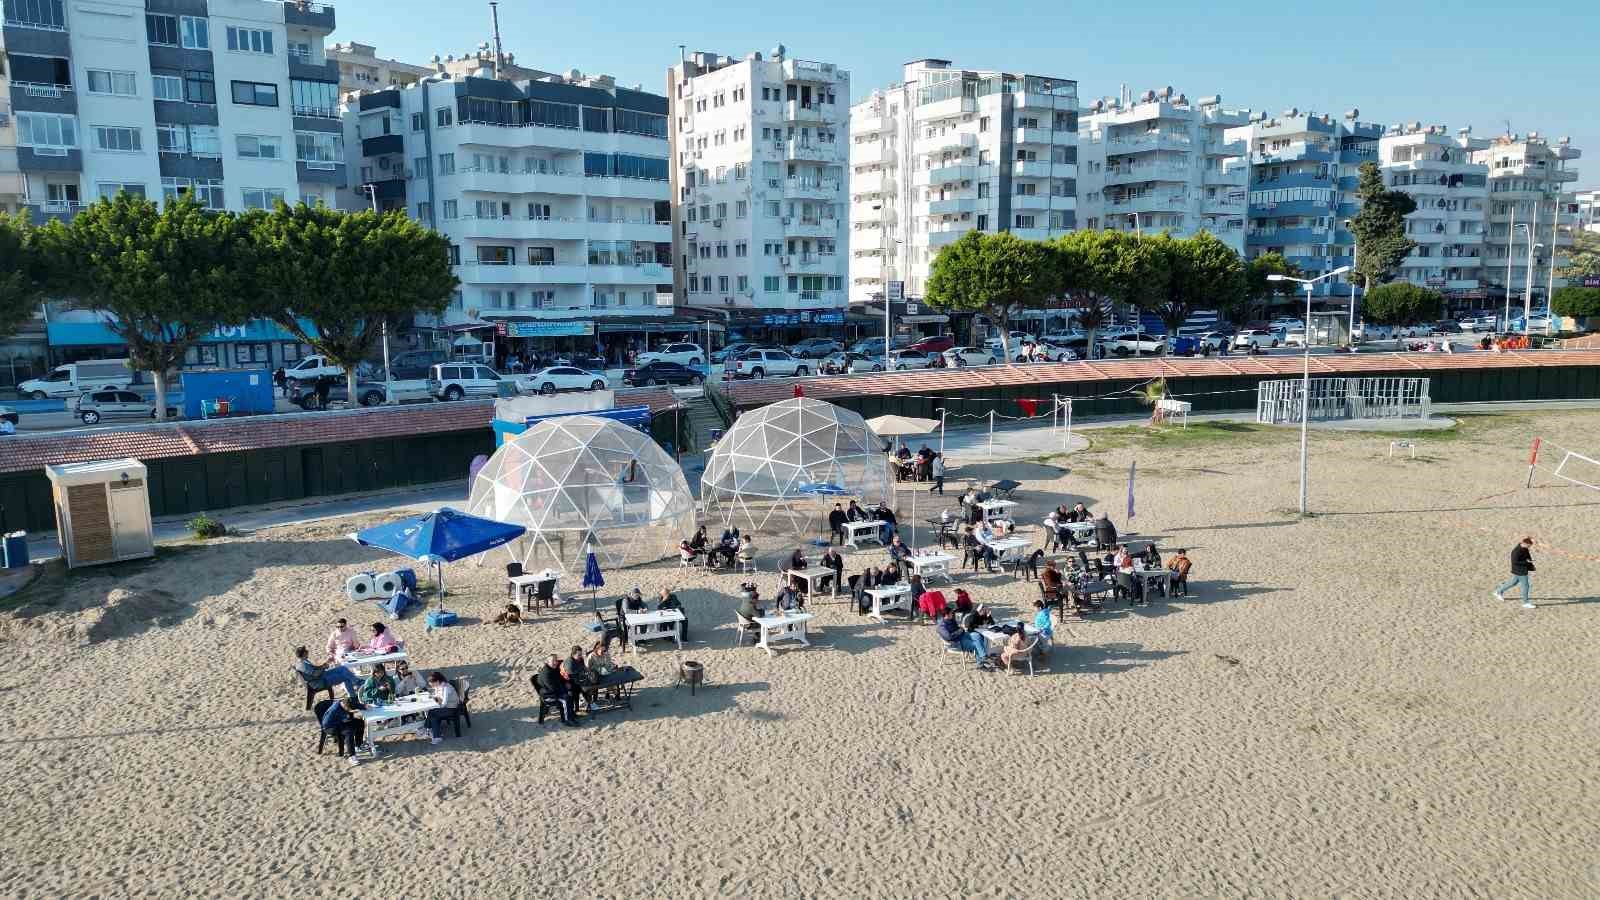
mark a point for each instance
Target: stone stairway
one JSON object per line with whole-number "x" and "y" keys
{"x": 703, "y": 419}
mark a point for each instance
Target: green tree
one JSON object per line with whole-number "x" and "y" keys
{"x": 1583, "y": 261}
{"x": 1263, "y": 292}
{"x": 22, "y": 273}
{"x": 1576, "y": 302}
{"x": 1099, "y": 269}
{"x": 1201, "y": 271}
{"x": 1380, "y": 227}
{"x": 347, "y": 274}
{"x": 995, "y": 275}
{"x": 1402, "y": 303}
{"x": 167, "y": 278}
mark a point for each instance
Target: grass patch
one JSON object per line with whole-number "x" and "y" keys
{"x": 1172, "y": 437}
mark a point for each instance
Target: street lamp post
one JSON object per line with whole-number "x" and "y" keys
{"x": 388, "y": 376}
{"x": 1355, "y": 253}
{"x": 941, "y": 429}
{"x": 1527, "y": 286}
{"x": 1305, "y": 379}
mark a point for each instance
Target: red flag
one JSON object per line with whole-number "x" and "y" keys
{"x": 799, "y": 390}
{"x": 1030, "y": 408}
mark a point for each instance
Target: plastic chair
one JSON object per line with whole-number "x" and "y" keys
{"x": 513, "y": 570}
{"x": 742, "y": 627}
{"x": 747, "y": 564}
{"x": 312, "y": 689}
{"x": 1026, "y": 653}
{"x": 458, "y": 714}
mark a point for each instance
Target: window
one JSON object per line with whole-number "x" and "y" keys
{"x": 425, "y": 210}
{"x": 259, "y": 146}
{"x": 772, "y": 209}
{"x": 741, "y": 249}
{"x": 196, "y": 32}
{"x": 983, "y": 222}
{"x": 722, "y": 284}
{"x": 249, "y": 40}
{"x": 741, "y": 209}
{"x": 167, "y": 87}
{"x": 983, "y": 189}
{"x": 108, "y": 190}
{"x": 50, "y": 15}
{"x": 744, "y": 283}
{"x": 447, "y": 164}
{"x": 47, "y": 131}
{"x": 120, "y": 84}
{"x": 1024, "y": 221}
{"x": 209, "y": 192}
{"x": 419, "y": 121}
{"x": 441, "y": 117}
{"x": 172, "y": 187}
{"x": 449, "y": 207}
{"x": 161, "y": 29}
{"x": 319, "y": 149}
{"x": 205, "y": 142}
{"x": 316, "y": 98}
{"x": 261, "y": 198}
{"x": 255, "y": 93}
{"x": 419, "y": 167}
{"x": 172, "y": 139}
{"x": 771, "y": 284}
{"x": 199, "y": 87}
{"x": 117, "y": 139}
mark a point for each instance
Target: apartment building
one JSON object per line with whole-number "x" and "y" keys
{"x": 1527, "y": 202}
{"x": 1451, "y": 192}
{"x": 947, "y": 151}
{"x": 362, "y": 69}
{"x": 1586, "y": 210}
{"x": 12, "y": 189}
{"x": 1304, "y": 170}
{"x": 554, "y": 195}
{"x": 1163, "y": 163}
{"x": 231, "y": 99}
{"x": 758, "y": 178}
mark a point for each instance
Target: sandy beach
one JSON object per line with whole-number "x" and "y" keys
{"x": 1338, "y": 708}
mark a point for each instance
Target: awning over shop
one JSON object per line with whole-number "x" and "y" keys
{"x": 95, "y": 334}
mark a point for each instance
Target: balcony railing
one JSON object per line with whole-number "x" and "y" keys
{"x": 316, "y": 112}
{"x": 44, "y": 89}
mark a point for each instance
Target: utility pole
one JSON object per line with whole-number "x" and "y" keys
{"x": 388, "y": 374}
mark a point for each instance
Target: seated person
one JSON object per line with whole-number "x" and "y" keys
{"x": 797, "y": 561}
{"x": 788, "y": 599}
{"x": 378, "y": 688}
{"x": 985, "y": 532}
{"x": 1080, "y": 513}
{"x": 747, "y": 549}
{"x": 576, "y": 675}
{"x": 914, "y": 582}
{"x": 904, "y": 453}
{"x": 951, "y": 632}
{"x": 668, "y": 600}
{"x": 931, "y": 604}
{"x": 1015, "y": 646}
{"x": 890, "y": 574}
{"x": 698, "y": 542}
{"x": 886, "y": 515}
{"x": 325, "y": 675}
{"x": 1105, "y": 533}
{"x": 856, "y": 514}
{"x": 342, "y": 640}
{"x": 963, "y": 601}
{"x": 1178, "y": 574}
{"x": 383, "y": 640}
{"x": 832, "y": 561}
{"x": 860, "y": 584}
{"x": 511, "y": 615}
{"x": 749, "y": 610}
{"x": 1041, "y": 620}
{"x": 978, "y": 618}
{"x": 1151, "y": 557}
{"x": 836, "y": 520}
{"x": 1050, "y": 579}
{"x": 444, "y": 693}
{"x": 686, "y": 553}
{"x": 599, "y": 662}
{"x": 552, "y": 686}
{"x": 898, "y": 551}
{"x": 344, "y": 723}
{"x": 630, "y": 602}
{"x": 406, "y": 681}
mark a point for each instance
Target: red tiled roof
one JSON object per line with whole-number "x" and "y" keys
{"x": 22, "y": 451}
{"x": 937, "y": 381}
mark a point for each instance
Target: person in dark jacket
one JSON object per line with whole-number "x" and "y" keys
{"x": 345, "y": 724}
{"x": 856, "y": 514}
{"x": 552, "y": 686}
{"x": 832, "y": 561}
{"x": 668, "y": 600}
{"x": 1105, "y": 533}
{"x": 1521, "y": 567}
{"x": 836, "y": 520}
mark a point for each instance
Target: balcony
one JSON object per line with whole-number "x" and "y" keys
{"x": 1237, "y": 176}
{"x": 867, "y": 153}
{"x": 813, "y": 150}
{"x": 1298, "y": 150}
{"x": 516, "y": 228}
{"x": 383, "y": 145}
{"x": 640, "y": 273}
{"x": 60, "y": 210}
{"x": 939, "y": 238}
{"x": 805, "y": 70}
{"x": 1148, "y": 203}
{"x": 806, "y": 113}
{"x": 952, "y": 207}
{"x": 1155, "y": 140}
{"x": 801, "y": 226}
{"x": 307, "y": 70}
{"x": 811, "y": 189}
{"x": 1034, "y": 136}
{"x": 946, "y": 141}
{"x": 315, "y": 16}
{"x": 805, "y": 262}
{"x": 473, "y": 178}
{"x": 627, "y": 188}
{"x": 1227, "y": 148}
{"x": 1285, "y": 237}
{"x": 491, "y": 273}
{"x": 1134, "y": 174}
{"x": 1034, "y": 201}
{"x": 866, "y": 124}
{"x": 320, "y": 172}
{"x": 1222, "y": 206}
{"x": 625, "y": 230}
{"x": 946, "y": 175}
{"x": 1042, "y": 168}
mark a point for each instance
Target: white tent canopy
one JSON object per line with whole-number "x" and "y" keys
{"x": 779, "y": 464}
{"x": 899, "y": 426}
{"x": 581, "y": 482}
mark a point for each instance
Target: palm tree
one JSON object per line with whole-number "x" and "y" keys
{"x": 1151, "y": 395}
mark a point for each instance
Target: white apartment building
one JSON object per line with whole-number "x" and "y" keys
{"x": 554, "y": 195}
{"x": 758, "y": 151}
{"x": 950, "y": 150}
{"x": 232, "y": 99}
{"x": 1163, "y": 163}
{"x": 1586, "y": 210}
{"x": 1451, "y": 192}
{"x": 362, "y": 69}
{"x": 1526, "y": 178}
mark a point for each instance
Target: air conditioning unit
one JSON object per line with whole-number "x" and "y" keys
{"x": 784, "y": 260}
{"x": 716, "y": 223}
{"x": 788, "y": 220}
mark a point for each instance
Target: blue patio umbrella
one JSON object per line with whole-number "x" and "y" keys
{"x": 822, "y": 489}
{"x": 592, "y": 579}
{"x": 440, "y": 537}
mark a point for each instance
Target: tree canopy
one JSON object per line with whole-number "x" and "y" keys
{"x": 1201, "y": 272}
{"x": 22, "y": 276}
{"x": 1380, "y": 226}
{"x": 1583, "y": 261}
{"x": 995, "y": 275}
{"x": 347, "y": 274}
{"x": 1402, "y": 303}
{"x": 167, "y": 277}
{"x": 1575, "y": 301}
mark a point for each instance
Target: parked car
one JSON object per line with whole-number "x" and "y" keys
{"x": 588, "y": 362}
{"x": 1296, "y": 337}
{"x": 768, "y": 363}
{"x": 957, "y": 357}
{"x": 311, "y": 368}
{"x": 910, "y": 359}
{"x": 369, "y": 393}
{"x": 75, "y": 379}
{"x": 662, "y": 372}
{"x": 732, "y": 351}
{"x": 839, "y": 363}
{"x": 1050, "y": 352}
{"x": 815, "y": 348}
{"x": 1255, "y": 337}
{"x": 412, "y": 364}
{"x": 564, "y": 378}
{"x": 97, "y": 406}
{"x": 933, "y": 344}
{"x": 457, "y": 381}
{"x": 1017, "y": 339}
{"x": 1286, "y": 323}
{"x": 1132, "y": 343}
{"x": 7, "y": 414}
{"x": 682, "y": 354}
{"x": 1480, "y": 324}
{"x": 1538, "y": 324}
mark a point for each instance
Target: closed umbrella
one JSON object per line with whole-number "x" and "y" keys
{"x": 592, "y": 579}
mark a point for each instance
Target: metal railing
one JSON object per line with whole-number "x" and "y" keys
{"x": 1279, "y": 402}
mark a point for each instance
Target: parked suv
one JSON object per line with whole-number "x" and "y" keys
{"x": 456, "y": 381}
{"x": 682, "y": 354}
{"x": 816, "y": 347}
{"x": 412, "y": 364}
{"x": 767, "y": 363}
{"x": 1131, "y": 343}
{"x": 1254, "y": 337}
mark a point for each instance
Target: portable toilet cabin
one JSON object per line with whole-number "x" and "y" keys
{"x": 102, "y": 511}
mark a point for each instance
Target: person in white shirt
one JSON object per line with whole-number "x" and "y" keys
{"x": 406, "y": 680}
{"x": 445, "y": 694}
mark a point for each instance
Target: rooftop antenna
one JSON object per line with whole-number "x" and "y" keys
{"x": 494, "y": 17}
{"x": 681, "y": 54}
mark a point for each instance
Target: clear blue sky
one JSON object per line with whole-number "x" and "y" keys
{"x": 1465, "y": 62}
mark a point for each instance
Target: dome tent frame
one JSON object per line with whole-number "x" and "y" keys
{"x": 757, "y": 476}
{"x": 581, "y": 483}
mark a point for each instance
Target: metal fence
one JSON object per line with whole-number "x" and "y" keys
{"x": 1279, "y": 402}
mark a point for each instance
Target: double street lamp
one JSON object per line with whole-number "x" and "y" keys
{"x": 1305, "y": 381}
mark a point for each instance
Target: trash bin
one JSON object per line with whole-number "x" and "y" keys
{"x": 16, "y": 547}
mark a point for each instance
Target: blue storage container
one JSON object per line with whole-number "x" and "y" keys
{"x": 16, "y": 546}
{"x": 246, "y": 391}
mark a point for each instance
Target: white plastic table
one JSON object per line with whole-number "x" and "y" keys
{"x": 811, "y": 577}
{"x": 855, "y": 531}
{"x": 930, "y": 564}
{"x": 785, "y": 628}
{"x": 363, "y": 660}
{"x": 1080, "y": 530}
{"x": 992, "y": 508}
{"x": 1159, "y": 576}
{"x": 651, "y": 626}
{"x": 524, "y": 582}
{"x": 406, "y": 716}
{"x": 892, "y": 597}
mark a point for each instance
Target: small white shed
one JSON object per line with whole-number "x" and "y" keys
{"x": 102, "y": 511}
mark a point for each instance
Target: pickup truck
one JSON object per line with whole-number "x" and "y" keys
{"x": 310, "y": 369}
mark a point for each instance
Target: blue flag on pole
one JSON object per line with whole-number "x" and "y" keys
{"x": 1131, "y": 468}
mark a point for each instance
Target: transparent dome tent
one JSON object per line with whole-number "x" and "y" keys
{"x": 781, "y": 467}
{"x": 580, "y": 483}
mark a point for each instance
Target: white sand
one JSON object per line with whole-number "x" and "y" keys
{"x": 1340, "y": 708}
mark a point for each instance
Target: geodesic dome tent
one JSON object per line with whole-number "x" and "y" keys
{"x": 781, "y": 466}
{"x": 580, "y": 483}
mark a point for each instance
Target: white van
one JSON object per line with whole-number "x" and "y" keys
{"x": 77, "y": 378}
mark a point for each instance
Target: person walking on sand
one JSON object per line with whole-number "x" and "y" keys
{"x": 1521, "y": 567}
{"x": 937, "y": 470}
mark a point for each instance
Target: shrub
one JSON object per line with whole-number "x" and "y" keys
{"x": 203, "y": 526}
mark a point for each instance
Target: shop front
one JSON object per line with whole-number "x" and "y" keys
{"x": 257, "y": 344}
